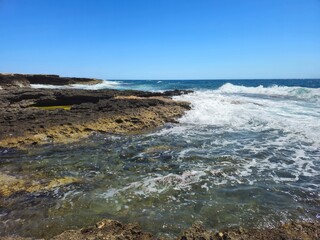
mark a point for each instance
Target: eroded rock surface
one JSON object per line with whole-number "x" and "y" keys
{"x": 24, "y": 80}
{"x": 35, "y": 116}
{"x": 15, "y": 184}
{"x": 107, "y": 229}
{"x": 111, "y": 229}
{"x": 288, "y": 231}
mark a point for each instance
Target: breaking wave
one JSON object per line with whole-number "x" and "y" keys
{"x": 257, "y": 109}
{"x": 104, "y": 85}
{"x": 312, "y": 94}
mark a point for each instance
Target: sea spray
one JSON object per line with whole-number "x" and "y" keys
{"x": 104, "y": 85}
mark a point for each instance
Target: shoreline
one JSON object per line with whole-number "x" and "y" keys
{"x": 31, "y": 117}
{"x": 13, "y": 80}
{"x": 112, "y": 229}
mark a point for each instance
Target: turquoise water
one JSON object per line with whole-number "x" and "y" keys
{"x": 246, "y": 154}
{"x": 154, "y": 85}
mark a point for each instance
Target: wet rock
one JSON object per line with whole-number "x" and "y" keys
{"x": 155, "y": 149}
{"x": 197, "y": 231}
{"x": 111, "y": 229}
{"x": 37, "y": 116}
{"x": 10, "y": 185}
{"x": 288, "y": 231}
{"x": 107, "y": 229}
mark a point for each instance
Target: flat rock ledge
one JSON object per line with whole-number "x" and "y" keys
{"x": 111, "y": 230}
{"x": 10, "y": 185}
{"x": 37, "y": 116}
{"x": 12, "y": 80}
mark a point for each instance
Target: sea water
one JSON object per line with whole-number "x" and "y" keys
{"x": 246, "y": 154}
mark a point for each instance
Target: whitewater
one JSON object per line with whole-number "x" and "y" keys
{"x": 246, "y": 154}
{"x": 276, "y": 127}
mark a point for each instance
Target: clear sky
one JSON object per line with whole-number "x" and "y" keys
{"x": 161, "y": 39}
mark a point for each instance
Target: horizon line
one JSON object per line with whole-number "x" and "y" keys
{"x": 158, "y": 79}
{"x": 211, "y": 79}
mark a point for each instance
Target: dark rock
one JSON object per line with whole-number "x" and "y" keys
{"x": 24, "y": 80}
{"x": 11, "y": 80}
{"x": 58, "y": 114}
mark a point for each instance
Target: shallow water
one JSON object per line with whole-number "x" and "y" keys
{"x": 242, "y": 156}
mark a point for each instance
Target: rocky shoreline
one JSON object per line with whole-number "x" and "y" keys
{"x": 12, "y": 80}
{"x": 31, "y": 116}
{"x": 111, "y": 229}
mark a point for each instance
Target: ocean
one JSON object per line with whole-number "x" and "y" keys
{"x": 246, "y": 154}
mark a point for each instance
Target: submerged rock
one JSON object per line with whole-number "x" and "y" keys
{"x": 10, "y": 185}
{"x": 155, "y": 149}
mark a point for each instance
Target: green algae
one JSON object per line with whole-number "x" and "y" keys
{"x": 64, "y": 107}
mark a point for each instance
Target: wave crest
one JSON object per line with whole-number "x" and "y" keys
{"x": 275, "y": 90}
{"x": 256, "y": 109}
{"x": 104, "y": 85}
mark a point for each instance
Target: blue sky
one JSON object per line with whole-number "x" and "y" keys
{"x": 161, "y": 39}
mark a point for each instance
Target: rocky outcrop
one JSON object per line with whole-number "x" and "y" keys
{"x": 13, "y": 80}
{"x": 24, "y": 80}
{"x": 107, "y": 229}
{"x": 288, "y": 231}
{"x": 35, "y": 116}
{"x": 111, "y": 229}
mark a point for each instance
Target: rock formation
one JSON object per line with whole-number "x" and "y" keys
{"x": 24, "y": 80}
{"x": 34, "y": 116}
{"x": 111, "y": 229}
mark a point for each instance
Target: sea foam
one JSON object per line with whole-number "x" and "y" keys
{"x": 312, "y": 94}
{"x": 103, "y": 85}
{"x": 272, "y": 133}
{"x": 239, "y": 108}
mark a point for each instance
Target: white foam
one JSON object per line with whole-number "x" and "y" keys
{"x": 110, "y": 193}
{"x": 48, "y": 86}
{"x": 246, "y": 112}
{"x": 157, "y": 183}
{"x": 104, "y": 85}
{"x": 286, "y": 131}
{"x": 298, "y": 92}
